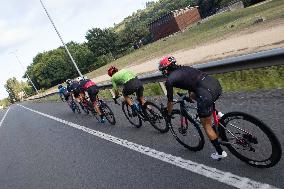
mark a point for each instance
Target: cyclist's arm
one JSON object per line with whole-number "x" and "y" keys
{"x": 114, "y": 86}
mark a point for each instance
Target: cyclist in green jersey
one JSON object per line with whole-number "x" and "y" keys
{"x": 131, "y": 84}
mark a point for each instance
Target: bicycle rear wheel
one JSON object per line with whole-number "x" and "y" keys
{"x": 74, "y": 107}
{"x": 134, "y": 119}
{"x": 186, "y": 131}
{"x": 105, "y": 109}
{"x": 250, "y": 140}
{"x": 155, "y": 117}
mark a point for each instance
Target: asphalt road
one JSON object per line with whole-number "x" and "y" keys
{"x": 39, "y": 151}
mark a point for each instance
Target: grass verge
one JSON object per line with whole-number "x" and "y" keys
{"x": 246, "y": 80}
{"x": 216, "y": 28}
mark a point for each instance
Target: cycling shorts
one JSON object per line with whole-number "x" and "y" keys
{"x": 207, "y": 92}
{"x": 76, "y": 93}
{"x": 93, "y": 92}
{"x": 132, "y": 86}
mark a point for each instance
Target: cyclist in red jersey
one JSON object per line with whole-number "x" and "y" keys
{"x": 205, "y": 90}
{"x": 87, "y": 85}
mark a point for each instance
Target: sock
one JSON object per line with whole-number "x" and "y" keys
{"x": 217, "y": 146}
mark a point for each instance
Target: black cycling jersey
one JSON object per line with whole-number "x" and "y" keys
{"x": 184, "y": 77}
{"x": 73, "y": 86}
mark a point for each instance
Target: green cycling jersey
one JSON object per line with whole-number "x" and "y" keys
{"x": 121, "y": 77}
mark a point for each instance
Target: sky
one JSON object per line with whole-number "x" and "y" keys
{"x": 26, "y": 29}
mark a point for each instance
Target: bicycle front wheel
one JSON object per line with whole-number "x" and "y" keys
{"x": 186, "y": 131}
{"x": 155, "y": 117}
{"x": 107, "y": 113}
{"x": 250, "y": 140}
{"x": 132, "y": 117}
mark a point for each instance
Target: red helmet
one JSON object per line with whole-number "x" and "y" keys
{"x": 166, "y": 63}
{"x": 112, "y": 70}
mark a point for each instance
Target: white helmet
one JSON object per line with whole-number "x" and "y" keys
{"x": 78, "y": 79}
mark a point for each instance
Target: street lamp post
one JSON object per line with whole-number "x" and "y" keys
{"x": 24, "y": 70}
{"x": 69, "y": 54}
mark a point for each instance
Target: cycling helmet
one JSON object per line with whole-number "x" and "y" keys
{"x": 166, "y": 63}
{"x": 68, "y": 81}
{"x": 78, "y": 79}
{"x": 60, "y": 86}
{"x": 112, "y": 70}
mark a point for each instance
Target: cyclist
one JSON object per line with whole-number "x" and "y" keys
{"x": 87, "y": 85}
{"x": 205, "y": 90}
{"x": 72, "y": 87}
{"x": 65, "y": 94}
{"x": 130, "y": 84}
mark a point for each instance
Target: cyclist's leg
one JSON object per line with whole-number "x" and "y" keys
{"x": 93, "y": 94}
{"x": 126, "y": 91}
{"x": 205, "y": 108}
{"x": 139, "y": 93}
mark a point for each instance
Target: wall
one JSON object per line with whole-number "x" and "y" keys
{"x": 173, "y": 22}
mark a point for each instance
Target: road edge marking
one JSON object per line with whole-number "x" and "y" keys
{"x": 201, "y": 169}
{"x": 3, "y": 118}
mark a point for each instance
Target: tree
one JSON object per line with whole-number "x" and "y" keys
{"x": 13, "y": 87}
{"x": 4, "y": 102}
{"x": 55, "y": 66}
{"x": 102, "y": 42}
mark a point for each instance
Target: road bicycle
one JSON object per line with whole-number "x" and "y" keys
{"x": 245, "y": 136}
{"x": 148, "y": 112}
{"x": 84, "y": 108}
{"x": 104, "y": 108}
{"x": 73, "y": 105}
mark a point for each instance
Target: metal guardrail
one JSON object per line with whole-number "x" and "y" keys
{"x": 274, "y": 57}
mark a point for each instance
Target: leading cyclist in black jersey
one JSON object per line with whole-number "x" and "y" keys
{"x": 205, "y": 90}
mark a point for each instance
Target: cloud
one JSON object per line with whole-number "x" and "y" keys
{"x": 12, "y": 36}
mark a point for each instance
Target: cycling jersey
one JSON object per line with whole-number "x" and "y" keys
{"x": 74, "y": 88}
{"x": 64, "y": 92}
{"x": 74, "y": 85}
{"x": 207, "y": 89}
{"x": 90, "y": 87}
{"x": 85, "y": 84}
{"x": 184, "y": 77}
{"x": 121, "y": 77}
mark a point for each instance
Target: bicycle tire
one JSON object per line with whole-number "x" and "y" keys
{"x": 128, "y": 114}
{"x": 85, "y": 109}
{"x": 109, "y": 113}
{"x": 154, "y": 118}
{"x": 77, "y": 107}
{"x": 200, "y": 144}
{"x": 276, "y": 151}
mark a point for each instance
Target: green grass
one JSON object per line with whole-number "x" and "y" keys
{"x": 218, "y": 27}
{"x": 246, "y": 80}
{"x": 254, "y": 79}
{"x": 53, "y": 98}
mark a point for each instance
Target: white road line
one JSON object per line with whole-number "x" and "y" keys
{"x": 4, "y": 117}
{"x": 210, "y": 172}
